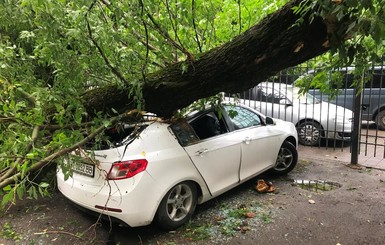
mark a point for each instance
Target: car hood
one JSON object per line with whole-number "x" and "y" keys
{"x": 322, "y": 109}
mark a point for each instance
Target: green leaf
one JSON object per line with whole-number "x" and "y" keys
{"x": 106, "y": 123}
{"x": 7, "y": 198}
{"x": 31, "y": 155}
{"x": 43, "y": 185}
{"x": 20, "y": 192}
{"x": 115, "y": 111}
{"x": 32, "y": 192}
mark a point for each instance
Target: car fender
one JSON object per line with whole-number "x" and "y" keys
{"x": 376, "y": 110}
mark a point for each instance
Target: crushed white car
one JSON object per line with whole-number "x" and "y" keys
{"x": 158, "y": 171}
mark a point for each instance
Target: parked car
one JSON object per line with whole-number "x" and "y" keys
{"x": 159, "y": 171}
{"x": 314, "y": 119}
{"x": 373, "y": 101}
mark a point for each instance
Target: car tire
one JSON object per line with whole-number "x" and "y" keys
{"x": 380, "y": 120}
{"x": 286, "y": 160}
{"x": 309, "y": 133}
{"x": 177, "y": 206}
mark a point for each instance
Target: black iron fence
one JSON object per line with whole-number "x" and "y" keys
{"x": 351, "y": 120}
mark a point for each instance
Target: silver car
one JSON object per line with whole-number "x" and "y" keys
{"x": 313, "y": 118}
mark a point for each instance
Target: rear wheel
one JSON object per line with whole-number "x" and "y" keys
{"x": 177, "y": 206}
{"x": 286, "y": 160}
{"x": 380, "y": 120}
{"x": 309, "y": 133}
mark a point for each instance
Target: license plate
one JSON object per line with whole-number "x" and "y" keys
{"x": 84, "y": 169}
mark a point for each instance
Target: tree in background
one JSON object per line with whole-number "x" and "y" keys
{"x": 70, "y": 69}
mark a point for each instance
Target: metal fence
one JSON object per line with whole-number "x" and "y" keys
{"x": 352, "y": 120}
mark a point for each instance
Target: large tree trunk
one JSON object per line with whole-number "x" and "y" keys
{"x": 274, "y": 44}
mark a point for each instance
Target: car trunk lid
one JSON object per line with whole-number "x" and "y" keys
{"x": 92, "y": 164}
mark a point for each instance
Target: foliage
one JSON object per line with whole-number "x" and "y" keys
{"x": 356, "y": 37}
{"x": 197, "y": 232}
{"x": 52, "y": 52}
{"x": 8, "y": 232}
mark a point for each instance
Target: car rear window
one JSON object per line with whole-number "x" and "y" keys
{"x": 116, "y": 136}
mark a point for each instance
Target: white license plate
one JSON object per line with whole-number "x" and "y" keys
{"x": 84, "y": 169}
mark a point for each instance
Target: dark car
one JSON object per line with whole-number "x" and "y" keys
{"x": 373, "y": 102}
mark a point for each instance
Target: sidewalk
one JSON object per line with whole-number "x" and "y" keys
{"x": 341, "y": 154}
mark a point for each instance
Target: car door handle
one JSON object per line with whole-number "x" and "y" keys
{"x": 201, "y": 151}
{"x": 247, "y": 140}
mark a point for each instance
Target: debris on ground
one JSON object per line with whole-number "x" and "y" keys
{"x": 264, "y": 186}
{"x": 311, "y": 201}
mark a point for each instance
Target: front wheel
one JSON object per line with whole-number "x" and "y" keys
{"x": 380, "y": 120}
{"x": 309, "y": 133}
{"x": 177, "y": 206}
{"x": 286, "y": 160}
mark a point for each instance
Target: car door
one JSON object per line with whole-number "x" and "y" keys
{"x": 216, "y": 155}
{"x": 259, "y": 142}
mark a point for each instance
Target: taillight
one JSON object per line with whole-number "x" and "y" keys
{"x": 126, "y": 169}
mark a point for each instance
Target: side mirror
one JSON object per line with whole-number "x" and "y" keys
{"x": 269, "y": 121}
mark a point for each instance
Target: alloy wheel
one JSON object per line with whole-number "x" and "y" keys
{"x": 309, "y": 134}
{"x": 179, "y": 202}
{"x": 284, "y": 160}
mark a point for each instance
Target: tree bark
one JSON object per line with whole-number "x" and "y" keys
{"x": 277, "y": 42}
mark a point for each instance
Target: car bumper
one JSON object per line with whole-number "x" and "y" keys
{"x": 126, "y": 200}
{"x": 339, "y": 132}
{"x": 346, "y": 136}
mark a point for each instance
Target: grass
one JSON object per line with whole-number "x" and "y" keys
{"x": 227, "y": 221}
{"x": 9, "y": 233}
{"x": 197, "y": 232}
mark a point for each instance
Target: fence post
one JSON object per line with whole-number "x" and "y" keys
{"x": 356, "y": 132}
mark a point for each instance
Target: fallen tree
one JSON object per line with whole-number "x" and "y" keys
{"x": 39, "y": 126}
{"x": 274, "y": 44}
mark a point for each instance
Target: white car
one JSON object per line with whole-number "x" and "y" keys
{"x": 314, "y": 119}
{"x": 157, "y": 171}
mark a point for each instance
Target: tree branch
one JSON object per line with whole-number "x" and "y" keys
{"x": 26, "y": 95}
{"x": 138, "y": 37}
{"x": 146, "y": 32}
{"x": 106, "y": 60}
{"x": 19, "y": 160}
{"x": 239, "y": 16}
{"x": 53, "y": 127}
{"x": 168, "y": 38}
{"x": 145, "y": 43}
{"x": 171, "y": 18}
{"x": 277, "y": 42}
{"x": 47, "y": 160}
{"x": 195, "y": 26}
